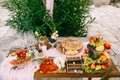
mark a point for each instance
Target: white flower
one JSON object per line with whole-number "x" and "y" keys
{"x": 54, "y": 35}
{"x": 56, "y": 31}
{"x": 36, "y": 33}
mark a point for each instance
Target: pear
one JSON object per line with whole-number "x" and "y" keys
{"x": 107, "y": 55}
{"x": 98, "y": 67}
{"x": 100, "y": 48}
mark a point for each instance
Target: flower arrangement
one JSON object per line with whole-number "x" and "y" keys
{"x": 97, "y": 55}
{"x": 40, "y": 37}
{"x": 53, "y": 37}
{"x": 48, "y": 41}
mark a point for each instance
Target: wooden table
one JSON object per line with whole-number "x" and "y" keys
{"x": 114, "y": 73}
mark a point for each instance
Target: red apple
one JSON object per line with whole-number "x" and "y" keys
{"x": 86, "y": 50}
{"x": 92, "y": 66}
{"x": 105, "y": 66}
{"x": 109, "y": 62}
{"x": 107, "y": 45}
{"x": 92, "y": 39}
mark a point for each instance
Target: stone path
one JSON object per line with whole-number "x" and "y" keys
{"x": 107, "y": 23}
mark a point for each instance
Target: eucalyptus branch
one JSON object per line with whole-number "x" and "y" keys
{"x": 106, "y": 73}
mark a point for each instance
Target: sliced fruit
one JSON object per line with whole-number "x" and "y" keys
{"x": 49, "y": 60}
{"x": 48, "y": 67}
{"x": 92, "y": 39}
{"x": 52, "y": 67}
{"x": 44, "y": 68}
{"x": 100, "y": 48}
{"x": 107, "y": 45}
{"x": 92, "y": 66}
{"x": 21, "y": 53}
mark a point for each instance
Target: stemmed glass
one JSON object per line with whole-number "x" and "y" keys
{"x": 52, "y": 41}
{"x": 53, "y": 38}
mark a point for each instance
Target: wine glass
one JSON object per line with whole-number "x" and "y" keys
{"x": 52, "y": 41}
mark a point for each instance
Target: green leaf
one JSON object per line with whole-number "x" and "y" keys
{"x": 70, "y": 17}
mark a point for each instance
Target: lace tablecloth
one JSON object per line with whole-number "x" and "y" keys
{"x": 26, "y": 72}
{"x": 7, "y": 72}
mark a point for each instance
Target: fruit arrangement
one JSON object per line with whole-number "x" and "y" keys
{"x": 23, "y": 56}
{"x": 50, "y": 65}
{"x": 97, "y": 55}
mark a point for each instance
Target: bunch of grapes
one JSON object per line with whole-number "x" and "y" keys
{"x": 91, "y": 52}
{"x": 87, "y": 62}
{"x": 97, "y": 43}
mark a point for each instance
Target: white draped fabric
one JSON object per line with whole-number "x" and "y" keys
{"x": 49, "y": 6}
{"x": 26, "y": 72}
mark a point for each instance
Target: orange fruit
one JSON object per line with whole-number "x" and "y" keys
{"x": 107, "y": 45}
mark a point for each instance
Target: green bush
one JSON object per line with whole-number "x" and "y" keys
{"x": 70, "y": 17}
{"x": 27, "y": 15}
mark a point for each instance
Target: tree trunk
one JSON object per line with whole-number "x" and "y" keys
{"x": 49, "y": 6}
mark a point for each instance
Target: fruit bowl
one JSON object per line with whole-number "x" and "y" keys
{"x": 97, "y": 55}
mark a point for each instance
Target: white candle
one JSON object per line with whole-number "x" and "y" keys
{"x": 49, "y": 6}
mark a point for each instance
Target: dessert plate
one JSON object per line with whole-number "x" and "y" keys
{"x": 70, "y": 46}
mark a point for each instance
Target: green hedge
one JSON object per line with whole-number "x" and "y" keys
{"x": 70, "y": 17}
